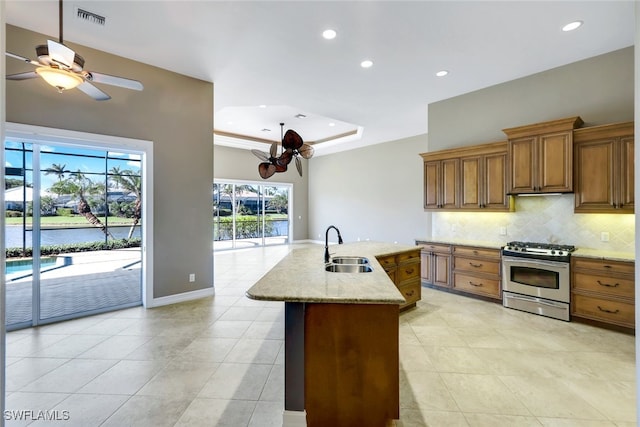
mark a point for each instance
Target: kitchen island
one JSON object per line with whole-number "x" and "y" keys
{"x": 341, "y": 336}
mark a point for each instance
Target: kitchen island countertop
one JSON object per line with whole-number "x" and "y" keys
{"x": 301, "y": 277}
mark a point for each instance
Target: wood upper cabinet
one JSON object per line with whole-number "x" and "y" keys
{"x": 441, "y": 183}
{"x": 604, "y": 168}
{"x": 483, "y": 184}
{"x": 541, "y": 157}
{"x": 469, "y": 178}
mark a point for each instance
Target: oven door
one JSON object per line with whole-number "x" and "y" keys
{"x": 537, "y": 278}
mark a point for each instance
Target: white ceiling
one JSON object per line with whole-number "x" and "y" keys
{"x": 272, "y": 53}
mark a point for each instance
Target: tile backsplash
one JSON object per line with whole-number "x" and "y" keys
{"x": 540, "y": 219}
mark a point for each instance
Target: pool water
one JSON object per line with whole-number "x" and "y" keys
{"x": 26, "y": 265}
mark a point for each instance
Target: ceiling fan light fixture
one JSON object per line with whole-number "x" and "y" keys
{"x": 60, "y": 79}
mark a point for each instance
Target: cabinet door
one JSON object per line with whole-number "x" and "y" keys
{"x": 470, "y": 183}
{"x": 431, "y": 184}
{"x": 426, "y": 263}
{"x": 595, "y": 176}
{"x": 441, "y": 270}
{"x": 495, "y": 182}
{"x": 626, "y": 200}
{"x": 555, "y": 165}
{"x": 523, "y": 157}
{"x": 450, "y": 174}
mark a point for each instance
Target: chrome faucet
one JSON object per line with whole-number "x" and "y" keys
{"x": 327, "y": 258}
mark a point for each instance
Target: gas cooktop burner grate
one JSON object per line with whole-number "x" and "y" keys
{"x": 548, "y": 246}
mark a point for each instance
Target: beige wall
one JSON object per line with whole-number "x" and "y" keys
{"x": 173, "y": 111}
{"x": 598, "y": 89}
{"x": 240, "y": 164}
{"x": 371, "y": 193}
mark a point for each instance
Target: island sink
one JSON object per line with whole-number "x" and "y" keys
{"x": 350, "y": 260}
{"x": 349, "y": 268}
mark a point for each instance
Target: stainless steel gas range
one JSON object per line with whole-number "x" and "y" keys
{"x": 536, "y": 279}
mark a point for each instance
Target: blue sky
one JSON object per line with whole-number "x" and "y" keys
{"x": 88, "y": 161}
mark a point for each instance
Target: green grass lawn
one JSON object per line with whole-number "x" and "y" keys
{"x": 63, "y": 221}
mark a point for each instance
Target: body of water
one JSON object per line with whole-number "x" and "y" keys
{"x": 63, "y": 236}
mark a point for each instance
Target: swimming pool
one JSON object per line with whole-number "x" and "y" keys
{"x": 26, "y": 265}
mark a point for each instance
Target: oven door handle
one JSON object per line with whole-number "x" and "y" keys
{"x": 536, "y": 262}
{"x": 536, "y": 300}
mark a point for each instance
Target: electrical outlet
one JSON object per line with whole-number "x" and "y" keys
{"x": 192, "y": 277}
{"x": 604, "y": 236}
{"x": 503, "y": 231}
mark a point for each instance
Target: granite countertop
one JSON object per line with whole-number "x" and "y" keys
{"x": 464, "y": 242}
{"x": 600, "y": 254}
{"x": 301, "y": 277}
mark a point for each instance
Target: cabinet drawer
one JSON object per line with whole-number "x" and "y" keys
{"x": 609, "y": 285}
{"x": 435, "y": 247}
{"x": 408, "y": 271}
{"x": 617, "y": 312}
{"x": 387, "y": 261}
{"x": 411, "y": 292}
{"x": 391, "y": 272}
{"x": 467, "y": 283}
{"x": 476, "y": 265}
{"x": 413, "y": 256}
{"x": 604, "y": 266}
{"x": 477, "y": 252}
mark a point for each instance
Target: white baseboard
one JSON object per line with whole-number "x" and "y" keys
{"x": 185, "y": 296}
{"x": 294, "y": 419}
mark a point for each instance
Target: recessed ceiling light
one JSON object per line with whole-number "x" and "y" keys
{"x": 442, "y": 73}
{"x": 266, "y": 130}
{"x": 572, "y": 26}
{"x": 300, "y": 116}
{"x": 367, "y": 63}
{"x": 329, "y": 34}
{"x": 332, "y": 124}
{"x": 262, "y": 106}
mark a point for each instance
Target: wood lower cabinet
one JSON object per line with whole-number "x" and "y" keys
{"x": 477, "y": 271}
{"x": 436, "y": 264}
{"x": 351, "y": 365}
{"x": 604, "y": 169}
{"x": 603, "y": 290}
{"x": 541, "y": 156}
{"x": 404, "y": 270}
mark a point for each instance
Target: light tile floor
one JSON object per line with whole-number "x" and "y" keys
{"x": 219, "y": 362}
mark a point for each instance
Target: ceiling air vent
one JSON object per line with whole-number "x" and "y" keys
{"x": 91, "y": 17}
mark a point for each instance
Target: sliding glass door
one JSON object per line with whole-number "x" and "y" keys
{"x": 249, "y": 214}
{"x": 72, "y": 232}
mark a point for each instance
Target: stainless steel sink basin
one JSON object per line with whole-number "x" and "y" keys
{"x": 350, "y": 260}
{"x": 349, "y": 268}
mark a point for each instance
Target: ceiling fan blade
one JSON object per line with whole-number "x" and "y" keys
{"x": 22, "y": 58}
{"x": 93, "y": 91}
{"x": 285, "y": 158}
{"x": 274, "y": 150}
{"x": 113, "y": 80}
{"x": 60, "y": 54}
{"x": 306, "y": 151}
{"x": 291, "y": 140}
{"x": 266, "y": 170}
{"x": 299, "y": 165}
{"x": 261, "y": 155}
{"x": 22, "y": 76}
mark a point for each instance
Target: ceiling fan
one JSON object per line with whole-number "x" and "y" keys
{"x": 292, "y": 147}
{"x": 64, "y": 69}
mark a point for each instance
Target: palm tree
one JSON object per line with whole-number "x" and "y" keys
{"x": 132, "y": 183}
{"x": 81, "y": 186}
{"x": 58, "y": 170}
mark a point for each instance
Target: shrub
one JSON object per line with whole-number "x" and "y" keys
{"x": 64, "y": 211}
{"x": 13, "y": 214}
{"x": 75, "y": 247}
